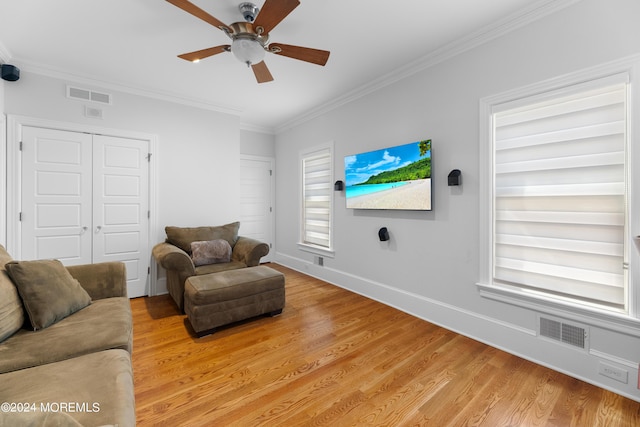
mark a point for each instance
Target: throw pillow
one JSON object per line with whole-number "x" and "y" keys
{"x": 210, "y": 252}
{"x": 183, "y": 236}
{"x": 48, "y": 291}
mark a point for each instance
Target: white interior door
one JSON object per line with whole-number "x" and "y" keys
{"x": 56, "y": 195}
{"x": 85, "y": 199}
{"x": 256, "y": 200}
{"x": 121, "y": 206}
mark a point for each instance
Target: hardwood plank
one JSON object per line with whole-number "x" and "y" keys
{"x": 337, "y": 358}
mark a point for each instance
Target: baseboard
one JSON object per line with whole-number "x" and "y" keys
{"x": 509, "y": 337}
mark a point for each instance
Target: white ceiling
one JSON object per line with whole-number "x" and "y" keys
{"x": 132, "y": 45}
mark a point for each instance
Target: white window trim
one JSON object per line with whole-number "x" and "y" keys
{"x": 308, "y": 247}
{"x": 627, "y": 323}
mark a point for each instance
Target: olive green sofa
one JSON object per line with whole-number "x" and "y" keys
{"x": 76, "y": 370}
{"x": 176, "y": 254}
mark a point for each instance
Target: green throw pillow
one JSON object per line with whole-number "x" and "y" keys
{"x": 48, "y": 291}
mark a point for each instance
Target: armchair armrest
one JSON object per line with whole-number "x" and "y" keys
{"x": 249, "y": 251}
{"x": 171, "y": 257}
{"x": 102, "y": 280}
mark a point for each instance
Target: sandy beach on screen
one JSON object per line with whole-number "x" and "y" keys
{"x": 414, "y": 195}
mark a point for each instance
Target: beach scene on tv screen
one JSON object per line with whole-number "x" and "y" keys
{"x": 396, "y": 177}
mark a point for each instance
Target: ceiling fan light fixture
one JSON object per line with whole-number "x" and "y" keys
{"x": 247, "y": 50}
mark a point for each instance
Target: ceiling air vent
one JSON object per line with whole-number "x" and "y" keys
{"x": 88, "y": 95}
{"x": 559, "y": 330}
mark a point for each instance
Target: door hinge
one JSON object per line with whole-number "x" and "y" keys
{"x": 270, "y": 172}
{"x": 19, "y": 216}
{"x": 20, "y": 146}
{"x": 148, "y": 214}
{"x": 270, "y": 245}
{"x": 270, "y": 209}
{"x": 148, "y": 270}
{"x": 149, "y": 157}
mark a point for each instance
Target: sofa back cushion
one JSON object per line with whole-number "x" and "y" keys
{"x": 182, "y": 237}
{"x": 48, "y": 291}
{"x": 11, "y": 310}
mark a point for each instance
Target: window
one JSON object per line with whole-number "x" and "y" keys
{"x": 317, "y": 200}
{"x": 556, "y": 196}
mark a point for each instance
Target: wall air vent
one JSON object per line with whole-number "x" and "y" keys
{"x": 560, "y": 330}
{"x": 88, "y": 95}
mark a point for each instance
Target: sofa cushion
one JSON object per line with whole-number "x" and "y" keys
{"x": 183, "y": 236}
{"x": 11, "y": 310}
{"x": 215, "y": 268}
{"x": 210, "y": 252}
{"x": 105, "y": 324}
{"x": 48, "y": 291}
{"x": 98, "y": 386}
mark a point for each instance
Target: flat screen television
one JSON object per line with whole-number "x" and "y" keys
{"x": 396, "y": 177}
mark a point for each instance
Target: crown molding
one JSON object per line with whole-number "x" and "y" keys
{"x": 249, "y": 127}
{"x": 169, "y": 97}
{"x": 523, "y": 17}
{"x": 533, "y": 12}
{"x": 154, "y": 94}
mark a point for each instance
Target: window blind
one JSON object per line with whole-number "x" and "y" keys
{"x": 560, "y": 196}
{"x": 316, "y": 171}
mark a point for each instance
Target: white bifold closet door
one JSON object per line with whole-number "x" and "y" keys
{"x": 85, "y": 199}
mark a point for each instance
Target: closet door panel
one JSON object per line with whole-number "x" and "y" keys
{"x": 56, "y": 181}
{"x": 120, "y": 198}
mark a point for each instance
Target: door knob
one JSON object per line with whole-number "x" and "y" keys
{"x": 98, "y": 228}
{"x": 83, "y": 230}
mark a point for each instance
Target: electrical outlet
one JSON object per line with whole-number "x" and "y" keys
{"x": 611, "y": 371}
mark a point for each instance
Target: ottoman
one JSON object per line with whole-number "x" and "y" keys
{"x": 216, "y": 299}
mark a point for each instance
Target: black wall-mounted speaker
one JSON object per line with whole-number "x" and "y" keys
{"x": 383, "y": 234}
{"x": 455, "y": 177}
{"x": 10, "y": 73}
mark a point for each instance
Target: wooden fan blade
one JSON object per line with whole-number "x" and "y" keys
{"x": 204, "y": 53}
{"x": 191, "y": 8}
{"x": 273, "y": 12}
{"x": 262, "y": 72}
{"x": 315, "y": 56}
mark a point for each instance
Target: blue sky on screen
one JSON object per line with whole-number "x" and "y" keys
{"x": 359, "y": 167}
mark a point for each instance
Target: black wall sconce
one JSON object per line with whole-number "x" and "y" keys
{"x": 455, "y": 177}
{"x": 383, "y": 234}
{"x": 338, "y": 186}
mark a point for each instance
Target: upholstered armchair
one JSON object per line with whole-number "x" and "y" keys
{"x": 195, "y": 251}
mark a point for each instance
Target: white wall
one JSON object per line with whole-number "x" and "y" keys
{"x": 2, "y": 83}
{"x": 431, "y": 264}
{"x": 257, "y": 143}
{"x": 3, "y": 169}
{"x": 197, "y": 151}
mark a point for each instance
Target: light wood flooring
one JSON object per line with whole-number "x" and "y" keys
{"x": 338, "y": 359}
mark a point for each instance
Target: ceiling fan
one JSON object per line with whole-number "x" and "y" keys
{"x": 250, "y": 39}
